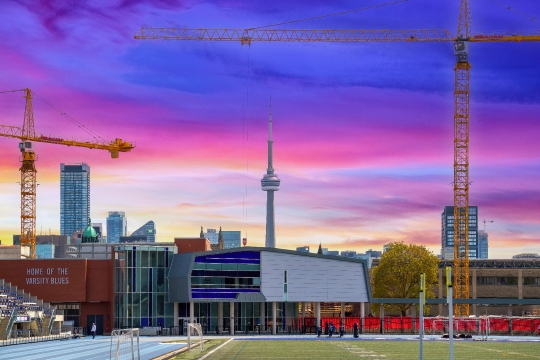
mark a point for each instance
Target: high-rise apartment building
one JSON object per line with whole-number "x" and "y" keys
{"x": 116, "y": 226}
{"x": 74, "y": 197}
{"x": 148, "y": 230}
{"x": 483, "y": 245}
{"x": 447, "y": 233}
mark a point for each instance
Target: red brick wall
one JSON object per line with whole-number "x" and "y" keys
{"x": 52, "y": 280}
{"x": 99, "y": 287}
{"x": 88, "y": 282}
{"x": 101, "y": 308}
{"x": 99, "y": 282}
{"x": 187, "y": 245}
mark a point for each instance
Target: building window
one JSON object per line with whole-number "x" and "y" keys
{"x": 141, "y": 286}
{"x": 224, "y": 276}
{"x": 497, "y": 280}
{"x": 534, "y": 281}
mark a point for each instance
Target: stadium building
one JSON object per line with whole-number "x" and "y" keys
{"x": 170, "y": 284}
{"x": 240, "y": 290}
{"x": 263, "y": 289}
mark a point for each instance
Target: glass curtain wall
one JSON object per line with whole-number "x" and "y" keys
{"x": 141, "y": 286}
{"x": 74, "y": 197}
{"x": 247, "y": 317}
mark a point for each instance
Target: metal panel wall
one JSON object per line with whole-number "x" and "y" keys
{"x": 312, "y": 279}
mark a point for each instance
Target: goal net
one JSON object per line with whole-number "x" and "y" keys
{"x": 196, "y": 331}
{"x": 478, "y": 326}
{"x": 125, "y": 344}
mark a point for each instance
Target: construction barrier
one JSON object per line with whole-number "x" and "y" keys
{"x": 494, "y": 325}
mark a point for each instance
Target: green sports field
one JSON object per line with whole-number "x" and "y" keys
{"x": 355, "y": 349}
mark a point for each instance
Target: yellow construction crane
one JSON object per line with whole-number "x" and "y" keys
{"x": 28, "y": 170}
{"x": 461, "y": 97}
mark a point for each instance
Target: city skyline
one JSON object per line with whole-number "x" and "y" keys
{"x": 365, "y": 131}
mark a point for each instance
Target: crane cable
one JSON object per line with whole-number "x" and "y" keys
{"x": 78, "y": 124}
{"x": 522, "y": 13}
{"x": 10, "y": 91}
{"x": 245, "y": 137}
{"x": 328, "y": 15}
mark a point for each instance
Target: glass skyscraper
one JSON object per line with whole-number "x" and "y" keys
{"x": 231, "y": 239}
{"x": 148, "y": 230}
{"x": 447, "y": 238}
{"x": 483, "y": 245}
{"x": 211, "y": 235}
{"x": 74, "y": 197}
{"x": 116, "y": 226}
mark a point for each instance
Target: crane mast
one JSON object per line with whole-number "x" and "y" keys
{"x": 461, "y": 161}
{"x": 28, "y": 179}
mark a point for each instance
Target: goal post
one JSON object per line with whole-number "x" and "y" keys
{"x": 197, "y": 331}
{"x": 478, "y": 326}
{"x": 125, "y": 344}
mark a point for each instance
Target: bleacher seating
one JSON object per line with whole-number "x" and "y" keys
{"x": 24, "y": 304}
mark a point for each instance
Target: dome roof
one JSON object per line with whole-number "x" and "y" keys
{"x": 89, "y": 234}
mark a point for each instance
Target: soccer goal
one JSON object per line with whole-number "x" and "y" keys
{"x": 196, "y": 329}
{"x": 478, "y": 326}
{"x": 125, "y": 344}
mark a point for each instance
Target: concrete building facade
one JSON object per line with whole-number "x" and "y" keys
{"x": 497, "y": 278}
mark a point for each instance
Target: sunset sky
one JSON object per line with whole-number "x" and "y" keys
{"x": 363, "y": 131}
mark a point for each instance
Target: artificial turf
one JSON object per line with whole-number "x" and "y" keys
{"x": 369, "y": 349}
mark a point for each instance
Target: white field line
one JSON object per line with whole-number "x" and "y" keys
{"x": 358, "y": 351}
{"x": 503, "y": 352}
{"x": 216, "y": 349}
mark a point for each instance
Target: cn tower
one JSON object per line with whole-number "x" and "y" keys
{"x": 270, "y": 184}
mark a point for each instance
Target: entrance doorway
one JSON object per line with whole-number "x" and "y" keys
{"x": 310, "y": 325}
{"x": 98, "y": 320}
